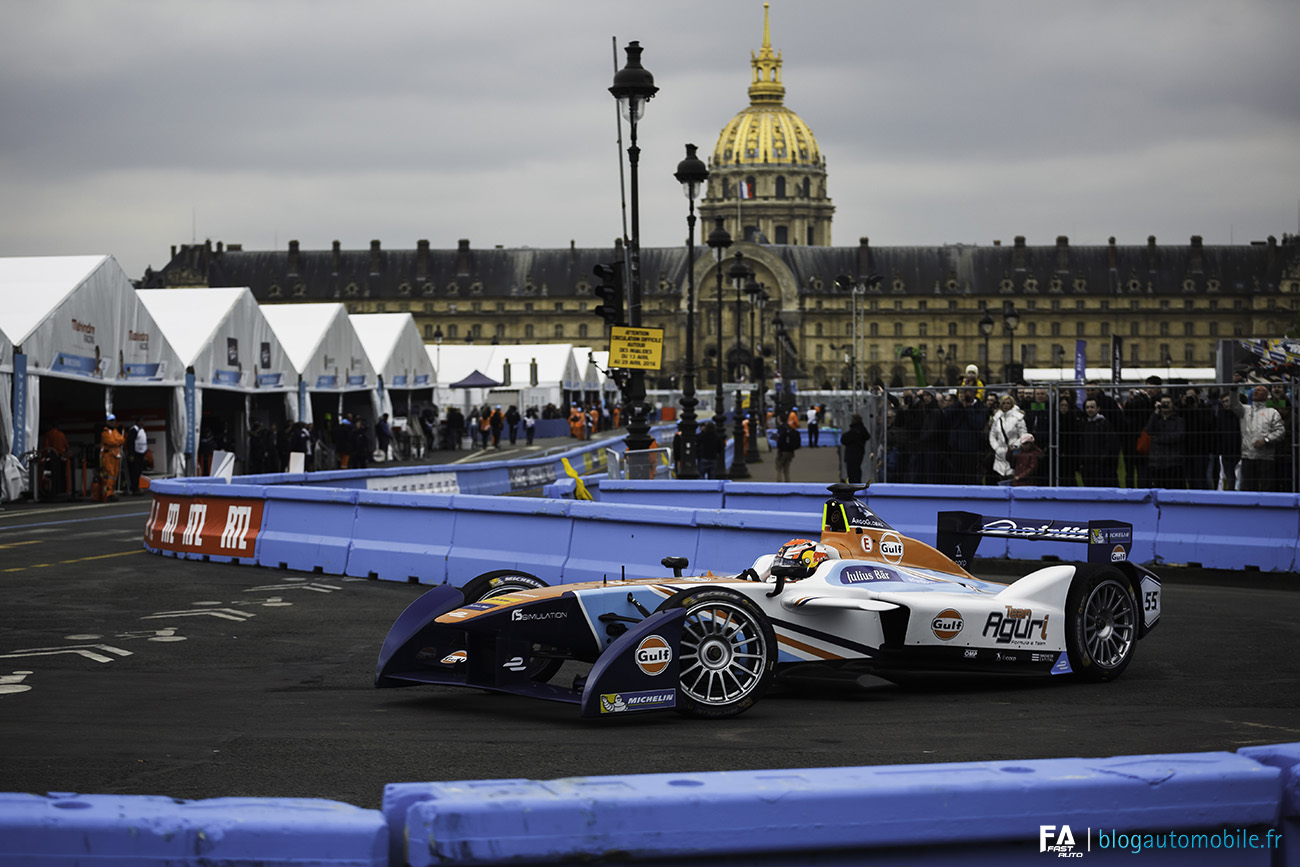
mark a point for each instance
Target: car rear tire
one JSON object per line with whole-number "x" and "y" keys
{"x": 500, "y": 582}
{"x": 1101, "y": 628}
{"x": 727, "y": 653}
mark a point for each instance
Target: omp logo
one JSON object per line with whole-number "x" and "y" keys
{"x": 891, "y": 547}
{"x": 947, "y": 624}
{"x": 238, "y": 520}
{"x": 169, "y": 527}
{"x": 1118, "y": 554}
{"x": 653, "y": 655}
{"x": 454, "y": 657}
{"x": 194, "y": 524}
{"x": 515, "y": 663}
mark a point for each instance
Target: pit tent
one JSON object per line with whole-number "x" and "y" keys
{"x": 531, "y": 375}
{"x": 237, "y": 368}
{"x": 334, "y": 371}
{"x": 75, "y": 343}
{"x": 405, "y": 371}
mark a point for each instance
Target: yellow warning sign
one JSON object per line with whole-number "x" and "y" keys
{"x": 636, "y": 348}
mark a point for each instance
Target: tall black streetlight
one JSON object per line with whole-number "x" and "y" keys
{"x": 1010, "y": 322}
{"x": 633, "y": 87}
{"x": 740, "y": 274}
{"x": 691, "y": 173}
{"x": 780, "y": 399}
{"x": 719, "y": 241}
{"x": 757, "y": 300}
{"x": 986, "y": 329}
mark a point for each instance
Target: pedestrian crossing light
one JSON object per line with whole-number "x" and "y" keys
{"x": 610, "y": 292}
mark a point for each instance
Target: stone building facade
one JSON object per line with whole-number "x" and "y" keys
{"x": 1170, "y": 304}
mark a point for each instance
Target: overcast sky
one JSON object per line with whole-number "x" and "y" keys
{"x": 130, "y": 126}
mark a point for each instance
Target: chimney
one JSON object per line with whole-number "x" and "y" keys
{"x": 1112, "y": 255}
{"x": 336, "y": 259}
{"x": 221, "y": 247}
{"x": 375, "y": 258}
{"x": 1151, "y": 253}
{"x": 421, "y": 260}
{"x": 462, "y": 258}
{"x": 1198, "y": 256}
{"x": 1062, "y": 253}
{"x": 293, "y": 258}
{"x": 864, "y": 257}
{"x": 1018, "y": 254}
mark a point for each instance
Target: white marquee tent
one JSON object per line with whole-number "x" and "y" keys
{"x": 241, "y": 370}
{"x": 75, "y": 343}
{"x": 329, "y": 357}
{"x": 393, "y": 342}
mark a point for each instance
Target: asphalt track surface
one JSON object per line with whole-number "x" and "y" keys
{"x": 127, "y": 673}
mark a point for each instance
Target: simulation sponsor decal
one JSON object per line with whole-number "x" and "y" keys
{"x": 621, "y": 702}
{"x": 653, "y": 655}
{"x": 517, "y": 615}
{"x": 204, "y": 525}
{"x": 947, "y": 624}
{"x": 891, "y": 547}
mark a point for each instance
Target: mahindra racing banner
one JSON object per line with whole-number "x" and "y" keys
{"x": 216, "y": 526}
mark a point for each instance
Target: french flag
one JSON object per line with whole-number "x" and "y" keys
{"x": 746, "y": 190}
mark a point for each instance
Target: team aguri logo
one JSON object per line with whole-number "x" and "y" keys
{"x": 891, "y": 547}
{"x": 946, "y": 624}
{"x": 653, "y": 655}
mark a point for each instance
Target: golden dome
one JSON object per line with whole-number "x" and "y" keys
{"x": 766, "y": 133}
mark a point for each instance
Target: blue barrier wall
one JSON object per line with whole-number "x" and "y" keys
{"x": 1189, "y": 808}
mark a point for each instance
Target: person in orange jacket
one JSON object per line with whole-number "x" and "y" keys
{"x": 577, "y": 423}
{"x": 110, "y": 458}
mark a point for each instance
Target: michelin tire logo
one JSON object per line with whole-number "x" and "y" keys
{"x": 622, "y": 702}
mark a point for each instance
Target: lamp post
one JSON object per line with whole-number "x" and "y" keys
{"x": 740, "y": 274}
{"x": 1010, "y": 322}
{"x": 779, "y": 398}
{"x": 986, "y": 329}
{"x": 691, "y": 173}
{"x": 633, "y": 87}
{"x": 757, "y": 300}
{"x": 719, "y": 241}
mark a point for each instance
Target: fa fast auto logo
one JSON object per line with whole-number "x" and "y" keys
{"x": 891, "y": 547}
{"x": 1058, "y": 841}
{"x": 947, "y": 624}
{"x": 653, "y": 655}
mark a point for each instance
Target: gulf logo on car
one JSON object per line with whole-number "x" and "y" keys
{"x": 946, "y": 624}
{"x": 1118, "y": 554}
{"x": 653, "y": 655}
{"x": 891, "y": 547}
{"x": 455, "y": 657}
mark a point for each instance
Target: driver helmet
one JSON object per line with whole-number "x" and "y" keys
{"x": 806, "y": 554}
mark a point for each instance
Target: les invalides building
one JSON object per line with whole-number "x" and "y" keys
{"x": 1169, "y": 304}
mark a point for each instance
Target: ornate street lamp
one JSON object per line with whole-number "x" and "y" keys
{"x": 719, "y": 241}
{"x": 692, "y": 173}
{"x": 757, "y": 300}
{"x": 740, "y": 274}
{"x": 1010, "y": 322}
{"x": 986, "y": 329}
{"x": 633, "y": 87}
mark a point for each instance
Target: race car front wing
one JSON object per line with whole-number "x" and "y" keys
{"x": 494, "y": 651}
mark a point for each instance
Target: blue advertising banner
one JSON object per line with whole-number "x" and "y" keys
{"x": 81, "y": 365}
{"x": 226, "y": 377}
{"x": 356, "y": 379}
{"x": 146, "y": 370}
{"x": 399, "y": 381}
{"x": 1080, "y": 369}
{"x": 270, "y": 380}
{"x": 327, "y": 381}
{"x": 20, "y": 403}
{"x": 191, "y": 422}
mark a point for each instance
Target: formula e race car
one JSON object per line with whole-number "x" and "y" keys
{"x": 862, "y": 600}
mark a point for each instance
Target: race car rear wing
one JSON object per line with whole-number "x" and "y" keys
{"x": 959, "y": 534}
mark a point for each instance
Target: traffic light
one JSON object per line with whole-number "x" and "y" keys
{"x": 610, "y": 293}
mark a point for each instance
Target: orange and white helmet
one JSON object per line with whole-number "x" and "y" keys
{"x": 806, "y": 554}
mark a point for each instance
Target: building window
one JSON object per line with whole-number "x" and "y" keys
{"x": 1189, "y": 354}
{"x": 1105, "y": 329}
{"x": 783, "y": 235}
{"x": 1135, "y": 329}
{"x": 780, "y": 188}
{"x": 476, "y": 330}
{"x": 452, "y": 332}
{"x": 817, "y": 330}
{"x": 810, "y": 236}
{"x": 1164, "y": 328}
{"x": 898, "y": 329}
{"x": 582, "y": 329}
{"x": 1214, "y": 329}
{"x": 500, "y": 331}
{"x": 528, "y": 331}
{"x": 1081, "y": 329}
{"x": 559, "y": 330}
{"x": 1189, "y": 329}
{"x": 952, "y": 329}
{"x": 922, "y": 330}
{"x": 875, "y": 329}
{"x": 428, "y": 332}
{"x": 1056, "y": 327}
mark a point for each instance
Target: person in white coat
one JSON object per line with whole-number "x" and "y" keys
{"x": 1005, "y": 431}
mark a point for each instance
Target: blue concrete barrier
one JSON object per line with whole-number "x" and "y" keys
{"x": 128, "y": 831}
{"x": 509, "y": 533}
{"x": 981, "y": 813}
{"x": 306, "y": 529}
{"x": 732, "y": 539}
{"x": 606, "y": 539}
{"x": 1246, "y": 530}
{"x": 774, "y": 497}
{"x": 401, "y": 537}
{"x": 682, "y": 493}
